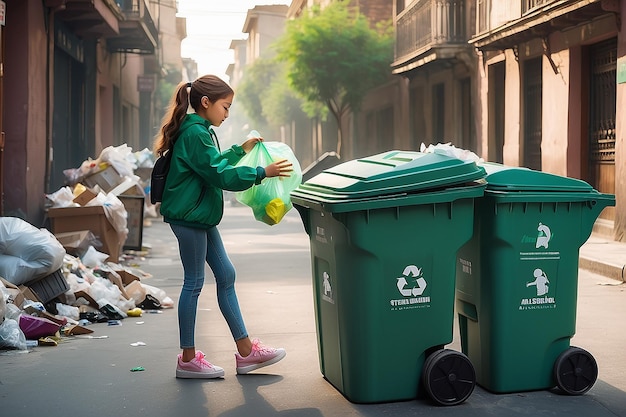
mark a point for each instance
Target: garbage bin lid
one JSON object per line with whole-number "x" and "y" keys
{"x": 393, "y": 172}
{"x": 505, "y": 178}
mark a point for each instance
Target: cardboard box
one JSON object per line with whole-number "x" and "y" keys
{"x": 126, "y": 275}
{"x": 107, "y": 179}
{"x": 85, "y": 197}
{"x": 144, "y": 173}
{"x": 134, "y": 190}
{"x": 28, "y": 294}
{"x": 87, "y": 297}
{"x": 116, "y": 279}
{"x": 93, "y": 218}
{"x": 136, "y": 291}
{"x": 58, "y": 320}
{"x": 76, "y": 330}
{"x": 19, "y": 294}
{"x": 75, "y": 243}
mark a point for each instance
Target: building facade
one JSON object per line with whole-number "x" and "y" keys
{"x": 79, "y": 76}
{"x": 533, "y": 83}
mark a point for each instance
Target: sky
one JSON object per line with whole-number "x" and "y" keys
{"x": 211, "y": 26}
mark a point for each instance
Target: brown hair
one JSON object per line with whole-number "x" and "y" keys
{"x": 210, "y": 86}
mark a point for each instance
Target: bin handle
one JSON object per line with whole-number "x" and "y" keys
{"x": 466, "y": 309}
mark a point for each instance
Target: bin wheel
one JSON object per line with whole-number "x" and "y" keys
{"x": 575, "y": 371}
{"x": 449, "y": 377}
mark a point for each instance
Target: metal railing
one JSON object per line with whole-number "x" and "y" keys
{"x": 137, "y": 11}
{"x": 429, "y": 23}
{"x": 492, "y": 13}
{"x": 528, "y": 5}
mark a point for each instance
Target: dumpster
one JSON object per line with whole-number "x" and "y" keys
{"x": 517, "y": 281}
{"x": 384, "y": 232}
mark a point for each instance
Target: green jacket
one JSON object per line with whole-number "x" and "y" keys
{"x": 199, "y": 172}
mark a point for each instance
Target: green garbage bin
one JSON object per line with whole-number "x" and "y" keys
{"x": 384, "y": 232}
{"x": 517, "y": 281}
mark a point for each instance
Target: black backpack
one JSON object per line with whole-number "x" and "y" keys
{"x": 159, "y": 175}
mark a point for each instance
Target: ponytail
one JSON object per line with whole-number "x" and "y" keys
{"x": 172, "y": 119}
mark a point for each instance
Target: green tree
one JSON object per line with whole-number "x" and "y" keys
{"x": 254, "y": 87}
{"x": 281, "y": 104}
{"x": 266, "y": 97}
{"x": 334, "y": 57}
{"x": 166, "y": 86}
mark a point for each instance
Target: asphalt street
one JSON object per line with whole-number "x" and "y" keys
{"x": 92, "y": 376}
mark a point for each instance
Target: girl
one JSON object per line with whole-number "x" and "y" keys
{"x": 193, "y": 205}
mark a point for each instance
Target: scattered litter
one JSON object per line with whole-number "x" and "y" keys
{"x": 76, "y": 330}
{"x": 138, "y": 344}
{"x": 137, "y": 369}
{"x": 140, "y": 322}
{"x": 611, "y": 284}
{"x": 13, "y": 352}
{"x": 72, "y": 266}
{"x": 150, "y": 302}
{"x": 91, "y": 337}
{"x": 47, "y": 341}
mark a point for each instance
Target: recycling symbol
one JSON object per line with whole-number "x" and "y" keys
{"x": 412, "y": 272}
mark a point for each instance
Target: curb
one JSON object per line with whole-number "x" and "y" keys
{"x": 609, "y": 270}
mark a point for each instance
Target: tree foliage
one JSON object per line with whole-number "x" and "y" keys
{"x": 281, "y": 104}
{"x": 165, "y": 89}
{"x": 265, "y": 94}
{"x": 334, "y": 57}
{"x": 254, "y": 87}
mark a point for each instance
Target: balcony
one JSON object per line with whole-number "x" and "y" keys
{"x": 528, "y": 5}
{"x": 503, "y": 24}
{"x": 430, "y": 30}
{"x": 87, "y": 18}
{"x": 138, "y": 33}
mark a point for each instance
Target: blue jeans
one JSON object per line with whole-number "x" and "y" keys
{"x": 197, "y": 246}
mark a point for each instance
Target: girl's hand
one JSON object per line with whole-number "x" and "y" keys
{"x": 249, "y": 144}
{"x": 281, "y": 168}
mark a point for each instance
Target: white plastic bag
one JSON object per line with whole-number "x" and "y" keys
{"x": 68, "y": 311}
{"x": 92, "y": 258}
{"x": 63, "y": 197}
{"x": 114, "y": 211}
{"x": 26, "y": 252}
{"x": 120, "y": 157}
{"x": 11, "y": 336}
{"x": 450, "y": 150}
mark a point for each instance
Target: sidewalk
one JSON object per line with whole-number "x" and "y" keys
{"x": 92, "y": 376}
{"x": 604, "y": 257}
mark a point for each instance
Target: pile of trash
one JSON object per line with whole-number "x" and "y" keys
{"x": 54, "y": 283}
{"x": 46, "y": 294}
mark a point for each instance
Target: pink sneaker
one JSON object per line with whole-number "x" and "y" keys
{"x": 198, "y": 367}
{"x": 259, "y": 357}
